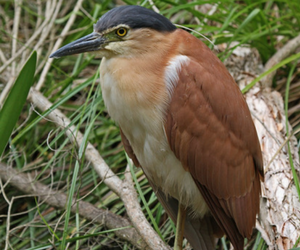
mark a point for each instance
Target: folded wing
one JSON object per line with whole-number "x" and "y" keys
{"x": 210, "y": 130}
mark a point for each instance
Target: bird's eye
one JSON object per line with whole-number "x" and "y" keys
{"x": 121, "y": 32}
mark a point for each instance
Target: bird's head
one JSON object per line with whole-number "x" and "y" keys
{"x": 122, "y": 31}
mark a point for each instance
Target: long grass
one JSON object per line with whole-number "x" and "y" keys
{"x": 43, "y": 151}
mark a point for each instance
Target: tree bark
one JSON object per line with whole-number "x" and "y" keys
{"x": 279, "y": 218}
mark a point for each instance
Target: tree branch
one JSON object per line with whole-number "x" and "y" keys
{"x": 122, "y": 188}
{"x": 85, "y": 209}
{"x": 288, "y": 49}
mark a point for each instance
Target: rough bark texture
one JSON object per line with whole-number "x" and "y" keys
{"x": 279, "y": 218}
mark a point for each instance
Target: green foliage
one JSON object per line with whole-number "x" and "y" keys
{"x": 44, "y": 151}
{"x": 275, "y": 67}
{"x": 12, "y": 108}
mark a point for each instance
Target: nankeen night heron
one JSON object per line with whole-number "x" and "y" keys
{"x": 183, "y": 120}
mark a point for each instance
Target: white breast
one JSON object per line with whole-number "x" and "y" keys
{"x": 143, "y": 126}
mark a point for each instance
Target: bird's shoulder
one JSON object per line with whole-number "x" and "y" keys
{"x": 210, "y": 130}
{"x": 209, "y": 127}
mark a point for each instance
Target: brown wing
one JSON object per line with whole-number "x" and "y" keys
{"x": 210, "y": 130}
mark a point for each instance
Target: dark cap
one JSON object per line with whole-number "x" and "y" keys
{"x": 135, "y": 17}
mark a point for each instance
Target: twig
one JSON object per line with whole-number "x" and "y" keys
{"x": 49, "y": 27}
{"x": 280, "y": 148}
{"x": 281, "y": 54}
{"x": 58, "y": 44}
{"x": 85, "y": 209}
{"x": 28, "y": 44}
{"x": 13, "y": 51}
{"x": 67, "y": 6}
{"x": 39, "y": 13}
{"x": 153, "y": 6}
{"x": 18, "y": 4}
{"x": 8, "y": 224}
{"x": 2, "y": 56}
{"x": 8, "y": 214}
{"x": 87, "y": 14}
{"x": 122, "y": 188}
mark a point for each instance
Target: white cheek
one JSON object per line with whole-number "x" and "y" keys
{"x": 117, "y": 47}
{"x": 110, "y": 46}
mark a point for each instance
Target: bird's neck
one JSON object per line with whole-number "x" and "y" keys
{"x": 139, "y": 85}
{"x": 139, "y": 79}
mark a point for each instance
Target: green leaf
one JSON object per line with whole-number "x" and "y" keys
{"x": 286, "y": 104}
{"x": 11, "y": 110}
{"x": 275, "y": 67}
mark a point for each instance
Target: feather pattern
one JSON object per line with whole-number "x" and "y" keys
{"x": 210, "y": 130}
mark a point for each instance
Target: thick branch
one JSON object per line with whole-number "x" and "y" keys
{"x": 279, "y": 218}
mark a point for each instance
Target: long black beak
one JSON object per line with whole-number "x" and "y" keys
{"x": 91, "y": 42}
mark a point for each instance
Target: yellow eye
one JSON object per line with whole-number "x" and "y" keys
{"x": 121, "y": 32}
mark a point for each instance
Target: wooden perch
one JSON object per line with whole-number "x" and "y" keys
{"x": 279, "y": 218}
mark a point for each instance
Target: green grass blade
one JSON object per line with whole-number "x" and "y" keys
{"x": 44, "y": 220}
{"x": 15, "y": 101}
{"x": 247, "y": 20}
{"x": 275, "y": 67}
{"x": 47, "y": 246}
{"x": 257, "y": 241}
{"x": 286, "y": 102}
{"x": 75, "y": 175}
{"x": 156, "y": 227}
{"x": 54, "y": 106}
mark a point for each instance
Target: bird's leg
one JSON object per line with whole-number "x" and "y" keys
{"x": 180, "y": 227}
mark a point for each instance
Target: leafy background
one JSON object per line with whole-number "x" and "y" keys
{"x": 42, "y": 150}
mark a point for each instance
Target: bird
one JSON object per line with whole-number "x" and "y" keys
{"x": 182, "y": 119}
